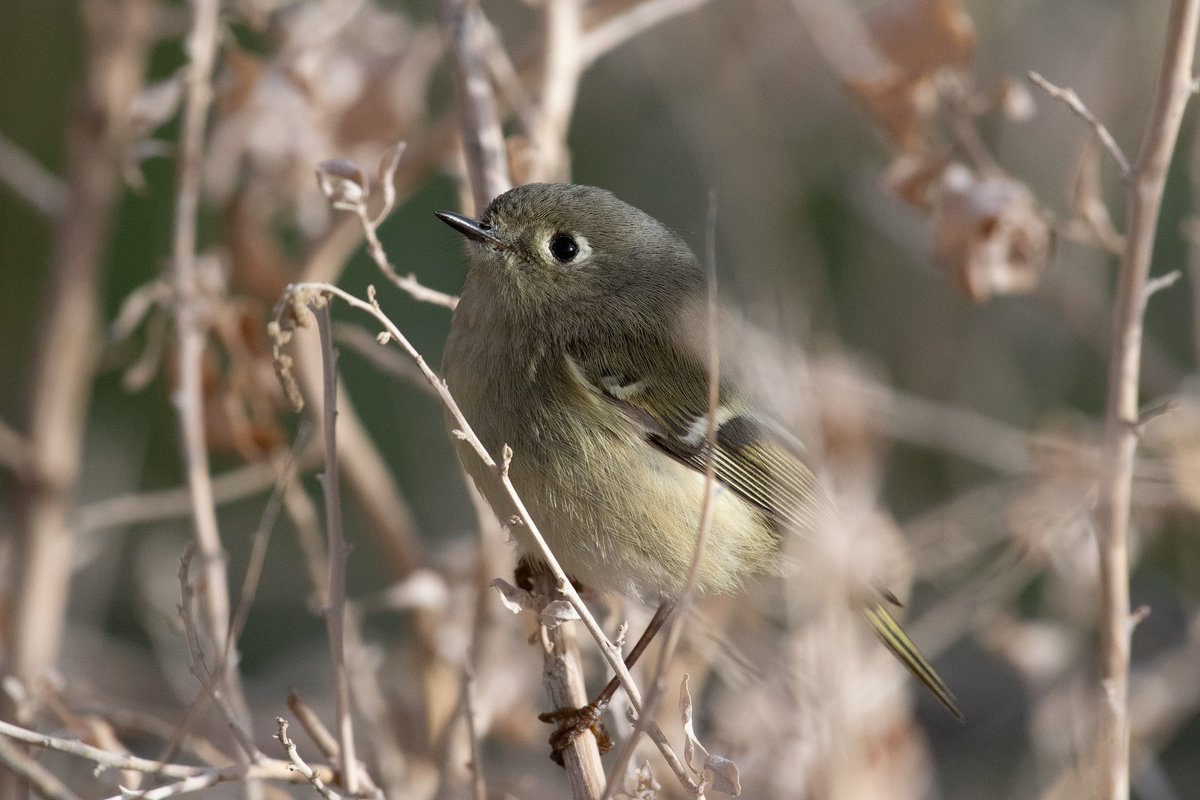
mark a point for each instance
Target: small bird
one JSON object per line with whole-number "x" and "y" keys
{"x": 580, "y": 341}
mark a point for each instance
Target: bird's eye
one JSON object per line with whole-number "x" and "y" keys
{"x": 563, "y": 247}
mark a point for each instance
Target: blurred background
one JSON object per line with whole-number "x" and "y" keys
{"x": 919, "y": 240}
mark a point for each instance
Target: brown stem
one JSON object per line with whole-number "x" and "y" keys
{"x": 335, "y": 613}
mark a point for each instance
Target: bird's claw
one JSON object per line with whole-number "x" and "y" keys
{"x": 572, "y": 722}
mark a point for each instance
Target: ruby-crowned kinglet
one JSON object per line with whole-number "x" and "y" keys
{"x": 579, "y": 341}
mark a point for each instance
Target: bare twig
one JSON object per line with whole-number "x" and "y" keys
{"x": 262, "y": 537}
{"x": 561, "y": 70}
{"x": 386, "y": 361}
{"x": 268, "y": 769}
{"x": 40, "y": 779}
{"x": 235, "y": 484}
{"x": 1072, "y": 101}
{"x": 210, "y": 680}
{"x": 297, "y": 763}
{"x": 1156, "y": 285}
{"x": 478, "y": 783}
{"x": 313, "y": 726}
{"x": 483, "y": 140}
{"x": 1145, "y": 190}
{"x": 335, "y": 613}
{"x": 610, "y": 34}
{"x": 356, "y": 200}
{"x": 191, "y": 333}
{"x": 30, "y": 181}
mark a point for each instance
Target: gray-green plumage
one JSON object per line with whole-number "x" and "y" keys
{"x": 579, "y": 342}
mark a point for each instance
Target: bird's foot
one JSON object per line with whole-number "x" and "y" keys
{"x": 572, "y": 722}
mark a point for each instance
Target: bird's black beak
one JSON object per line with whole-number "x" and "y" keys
{"x": 473, "y": 229}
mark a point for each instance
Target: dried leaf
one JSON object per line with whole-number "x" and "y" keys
{"x": 690, "y": 743}
{"x": 342, "y": 182}
{"x": 386, "y": 170}
{"x": 990, "y": 233}
{"x": 921, "y": 37}
{"x": 514, "y": 599}
{"x": 556, "y": 613}
{"x": 720, "y": 773}
{"x": 723, "y": 775}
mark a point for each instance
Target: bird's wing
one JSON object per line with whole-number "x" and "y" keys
{"x": 669, "y": 401}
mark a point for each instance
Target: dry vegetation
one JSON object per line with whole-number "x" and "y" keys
{"x": 998, "y": 379}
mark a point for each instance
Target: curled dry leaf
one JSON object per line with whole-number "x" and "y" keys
{"x": 342, "y": 183}
{"x": 990, "y": 232}
{"x": 720, "y": 772}
{"x": 556, "y": 613}
{"x": 514, "y": 599}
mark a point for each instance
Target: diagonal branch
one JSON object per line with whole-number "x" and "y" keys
{"x": 1072, "y": 101}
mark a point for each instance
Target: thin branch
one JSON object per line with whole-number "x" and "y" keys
{"x": 271, "y": 769}
{"x": 40, "y": 779}
{"x": 298, "y": 763}
{"x": 612, "y": 33}
{"x": 190, "y": 332}
{"x": 335, "y": 613}
{"x": 210, "y": 680}
{"x": 562, "y": 67}
{"x": 478, "y": 783}
{"x": 483, "y": 139}
{"x": 357, "y": 202}
{"x": 1156, "y": 285}
{"x": 1072, "y": 101}
{"x": 262, "y": 537}
{"x": 165, "y": 504}
{"x": 1145, "y": 191}
{"x": 389, "y": 362}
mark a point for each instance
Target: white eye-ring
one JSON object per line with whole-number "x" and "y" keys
{"x": 566, "y": 248}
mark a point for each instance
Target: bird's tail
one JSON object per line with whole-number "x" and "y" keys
{"x": 896, "y": 640}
